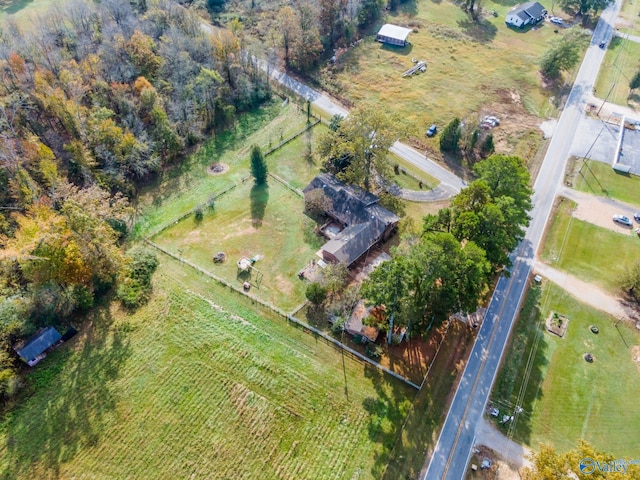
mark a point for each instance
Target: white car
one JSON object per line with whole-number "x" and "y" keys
{"x": 556, "y": 20}
{"x": 623, "y": 220}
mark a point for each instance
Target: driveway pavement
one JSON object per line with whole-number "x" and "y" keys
{"x": 596, "y": 140}
{"x": 514, "y": 453}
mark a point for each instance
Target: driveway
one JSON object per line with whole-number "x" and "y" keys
{"x": 596, "y": 140}
{"x": 512, "y": 452}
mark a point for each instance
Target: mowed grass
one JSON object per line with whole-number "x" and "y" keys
{"x": 250, "y": 221}
{"x": 181, "y": 389}
{"x": 628, "y": 18}
{"x": 594, "y": 254}
{"x": 187, "y": 184}
{"x": 600, "y": 179}
{"x": 469, "y": 67}
{"x": 620, "y": 64}
{"x": 567, "y": 398}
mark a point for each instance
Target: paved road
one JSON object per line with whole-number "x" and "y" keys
{"x": 453, "y": 449}
{"x": 451, "y": 183}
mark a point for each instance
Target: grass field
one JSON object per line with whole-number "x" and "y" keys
{"x": 594, "y": 254}
{"x": 183, "y": 390}
{"x": 567, "y": 398}
{"x": 619, "y": 65}
{"x": 183, "y": 186}
{"x": 250, "y": 221}
{"x": 600, "y": 179}
{"x": 628, "y": 18}
{"x": 492, "y": 59}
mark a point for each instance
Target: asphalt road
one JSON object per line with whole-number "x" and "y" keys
{"x": 453, "y": 449}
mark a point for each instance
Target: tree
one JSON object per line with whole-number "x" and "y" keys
{"x": 585, "y": 7}
{"x": 579, "y": 463}
{"x": 134, "y": 286}
{"x": 630, "y": 281}
{"x": 563, "y": 55}
{"x": 487, "y": 146}
{"x": 258, "y": 166}
{"x": 289, "y": 29}
{"x": 361, "y": 143}
{"x": 635, "y": 81}
{"x": 450, "y": 136}
{"x": 316, "y": 293}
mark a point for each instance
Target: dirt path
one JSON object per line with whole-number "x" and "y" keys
{"x": 600, "y": 210}
{"x": 510, "y": 451}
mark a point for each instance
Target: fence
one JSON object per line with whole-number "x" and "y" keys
{"x": 282, "y": 313}
{"x": 292, "y": 137}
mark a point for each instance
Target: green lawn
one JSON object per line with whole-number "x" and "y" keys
{"x": 488, "y": 60}
{"x": 567, "y": 398}
{"x": 629, "y": 18}
{"x": 410, "y": 175}
{"x": 620, "y": 63}
{"x": 183, "y": 390}
{"x": 594, "y": 254}
{"x": 250, "y": 221}
{"x": 600, "y": 179}
{"x": 183, "y": 186}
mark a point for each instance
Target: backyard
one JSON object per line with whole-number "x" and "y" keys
{"x": 564, "y": 397}
{"x": 594, "y": 254}
{"x": 185, "y": 389}
{"x": 499, "y": 66}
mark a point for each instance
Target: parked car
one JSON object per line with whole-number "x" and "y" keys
{"x": 556, "y": 20}
{"x": 432, "y": 131}
{"x": 602, "y": 45}
{"x": 623, "y": 220}
{"x": 636, "y": 217}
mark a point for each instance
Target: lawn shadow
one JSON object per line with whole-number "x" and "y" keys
{"x": 409, "y": 7}
{"x": 72, "y": 398}
{"x": 15, "y": 6}
{"x": 259, "y": 198}
{"x": 482, "y": 31}
{"x": 387, "y": 412}
{"x": 406, "y": 50}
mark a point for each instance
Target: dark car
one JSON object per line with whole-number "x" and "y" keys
{"x": 623, "y": 220}
{"x": 636, "y": 217}
{"x": 602, "y": 45}
{"x": 432, "y": 131}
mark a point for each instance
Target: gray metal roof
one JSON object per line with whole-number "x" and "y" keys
{"x": 39, "y": 343}
{"x": 394, "y": 31}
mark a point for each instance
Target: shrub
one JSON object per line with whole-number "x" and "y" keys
{"x": 316, "y": 293}
{"x": 198, "y": 214}
{"x": 134, "y": 287}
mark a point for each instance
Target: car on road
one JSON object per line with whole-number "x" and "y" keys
{"x": 556, "y": 20}
{"x": 623, "y": 220}
{"x": 636, "y": 217}
{"x": 432, "y": 131}
{"x": 602, "y": 45}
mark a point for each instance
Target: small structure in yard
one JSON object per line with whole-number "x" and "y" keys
{"x": 358, "y": 221}
{"x": 35, "y": 348}
{"x": 393, "y": 35}
{"x": 529, "y": 13}
{"x": 421, "y": 66}
{"x": 557, "y": 324}
{"x": 355, "y": 326}
{"x": 219, "y": 257}
{"x": 246, "y": 265}
{"x": 588, "y": 358}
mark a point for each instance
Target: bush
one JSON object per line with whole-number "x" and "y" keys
{"x": 198, "y": 214}
{"x": 316, "y": 293}
{"x": 134, "y": 287}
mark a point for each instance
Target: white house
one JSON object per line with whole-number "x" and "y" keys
{"x": 528, "y": 13}
{"x": 393, "y": 35}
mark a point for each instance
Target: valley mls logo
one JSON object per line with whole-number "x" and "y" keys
{"x": 589, "y": 465}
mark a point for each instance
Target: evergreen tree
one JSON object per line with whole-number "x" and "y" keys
{"x": 450, "y": 136}
{"x": 258, "y": 166}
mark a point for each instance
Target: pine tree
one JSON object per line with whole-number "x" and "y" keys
{"x": 258, "y": 166}
{"x": 450, "y": 136}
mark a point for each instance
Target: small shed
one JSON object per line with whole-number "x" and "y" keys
{"x": 393, "y": 35}
{"x": 35, "y": 348}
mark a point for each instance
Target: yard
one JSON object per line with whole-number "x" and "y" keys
{"x": 600, "y": 179}
{"x": 592, "y": 253}
{"x": 247, "y": 222}
{"x": 499, "y": 67}
{"x": 566, "y": 398}
{"x": 619, "y": 66}
{"x": 183, "y": 389}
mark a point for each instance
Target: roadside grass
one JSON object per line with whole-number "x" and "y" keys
{"x": 594, "y": 254}
{"x": 629, "y": 14}
{"x": 567, "y": 398}
{"x": 491, "y": 58}
{"x": 249, "y": 221}
{"x": 600, "y": 179}
{"x": 180, "y": 389}
{"x": 410, "y": 175}
{"x": 183, "y": 186}
{"x": 619, "y": 66}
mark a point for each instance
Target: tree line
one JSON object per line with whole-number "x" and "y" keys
{"x": 96, "y": 98}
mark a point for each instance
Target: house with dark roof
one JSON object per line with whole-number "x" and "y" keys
{"x": 359, "y": 222}
{"x": 35, "y": 348}
{"x": 528, "y": 13}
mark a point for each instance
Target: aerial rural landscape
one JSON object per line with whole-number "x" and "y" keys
{"x": 320, "y": 239}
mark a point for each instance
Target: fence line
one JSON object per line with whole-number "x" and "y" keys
{"x": 282, "y": 313}
{"x": 286, "y": 184}
{"x": 292, "y": 137}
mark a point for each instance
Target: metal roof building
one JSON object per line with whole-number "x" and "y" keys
{"x": 34, "y": 349}
{"x": 393, "y": 35}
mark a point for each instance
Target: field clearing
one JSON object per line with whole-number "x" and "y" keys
{"x": 567, "y": 398}
{"x": 623, "y": 187}
{"x": 182, "y": 187}
{"x": 250, "y": 221}
{"x": 453, "y": 47}
{"x": 183, "y": 390}
{"x": 627, "y": 21}
{"x": 620, "y": 64}
{"x": 594, "y": 254}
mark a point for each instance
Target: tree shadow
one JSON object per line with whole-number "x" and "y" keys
{"x": 259, "y": 198}
{"x": 409, "y": 7}
{"x": 481, "y": 31}
{"x": 406, "y": 50}
{"x": 73, "y": 397}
